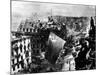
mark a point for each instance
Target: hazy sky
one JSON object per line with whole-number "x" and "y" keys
{"x": 23, "y": 9}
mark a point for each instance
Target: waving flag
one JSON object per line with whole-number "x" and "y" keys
{"x": 55, "y": 45}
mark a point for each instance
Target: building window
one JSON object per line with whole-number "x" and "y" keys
{"x": 30, "y": 30}
{"x": 32, "y": 24}
{"x": 27, "y": 29}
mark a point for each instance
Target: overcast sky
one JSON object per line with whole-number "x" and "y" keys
{"x": 23, "y": 9}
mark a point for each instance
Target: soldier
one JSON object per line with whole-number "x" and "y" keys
{"x": 69, "y": 62}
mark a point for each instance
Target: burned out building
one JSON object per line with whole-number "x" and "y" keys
{"x": 60, "y": 43}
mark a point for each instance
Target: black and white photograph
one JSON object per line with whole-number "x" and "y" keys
{"x": 52, "y": 37}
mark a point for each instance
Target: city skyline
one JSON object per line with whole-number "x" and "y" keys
{"x": 23, "y": 9}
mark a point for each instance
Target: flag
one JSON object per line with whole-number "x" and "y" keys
{"x": 55, "y": 45}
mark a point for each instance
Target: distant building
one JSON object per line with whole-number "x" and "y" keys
{"x": 27, "y": 26}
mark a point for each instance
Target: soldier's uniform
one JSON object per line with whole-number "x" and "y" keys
{"x": 69, "y": 63}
